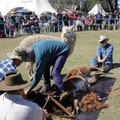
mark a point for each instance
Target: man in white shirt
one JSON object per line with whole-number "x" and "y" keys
{"x": 12, "y": 104}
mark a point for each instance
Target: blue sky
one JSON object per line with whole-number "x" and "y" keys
{"x": 119, "y": 3}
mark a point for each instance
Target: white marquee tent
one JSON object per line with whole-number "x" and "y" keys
{"x": 97, "y": 8}
{"x": 38, "y": 6}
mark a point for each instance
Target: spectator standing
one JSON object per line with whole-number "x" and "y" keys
{"x": 87, "y": 23}
{"x": 54, "y": 23}
{"x": 105, "y": 22}
{"x": 32, "y": 25}
{"x": 71, "y": 19}
{"x": 111, "y": 21}
{"x": 65, "y": 19}
{"x": 116, "y": 19}
{"x": 2, "y": 32}
{"x": 93, "y": 23}
{"x": 26, "y": 26}
{"x": 99, "y": 20}
{"x": 74, "y": 16}
{"x": 13, "y": 23}
{"x": 17, "y": 24}
{"x": 49, "y": 14}
{"x": 79, "y": 24}
{"x": 7, "y": 27}
{"x": 12, "y": 28}
{"x": 33, "y": 15}
{"x": 60, "y": 24}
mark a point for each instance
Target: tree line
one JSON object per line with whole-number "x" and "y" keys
{"x": 85, "y": 5}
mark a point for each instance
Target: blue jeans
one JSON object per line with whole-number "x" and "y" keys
{"x": 107, "y": 64}
{"x": 26, "y": 30}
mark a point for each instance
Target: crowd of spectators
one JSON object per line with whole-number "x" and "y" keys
{"x": 12, "y": 25}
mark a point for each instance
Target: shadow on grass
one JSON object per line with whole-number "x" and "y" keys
{"x": 103, "y": 84}
{"x": 115, "y": 65}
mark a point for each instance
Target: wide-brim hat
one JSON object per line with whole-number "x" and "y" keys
{"x": 102, "y": 38}
{"x": 13, "y": 81}
{"x": 19, "y": 53}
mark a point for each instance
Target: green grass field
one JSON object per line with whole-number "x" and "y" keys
{"x": 87, "y": 42}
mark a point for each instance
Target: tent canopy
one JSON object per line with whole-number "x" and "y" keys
{"x": 38, "y": 6}
{"x": 21, "y": 10}
{"x": 97, "y": 8}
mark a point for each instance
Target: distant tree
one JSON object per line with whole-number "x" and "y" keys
{"x": 85, "y": 5}
{"x": 112, "y": 4}
{"x": 108, "y": 5}
{"x": 59, "y": 4}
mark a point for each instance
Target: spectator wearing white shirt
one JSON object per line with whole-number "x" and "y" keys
{"x": 79, "y": 24}
{"x": 12, "y": 104}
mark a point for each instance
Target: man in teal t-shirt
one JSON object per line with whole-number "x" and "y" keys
{"x": 49, "y": 53}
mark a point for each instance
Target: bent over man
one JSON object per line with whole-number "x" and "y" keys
{"x": 47, "y": 53}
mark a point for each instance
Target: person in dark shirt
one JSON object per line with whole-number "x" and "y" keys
{"x": 59, "y": 17}
{"x": 65, "y": 19}
{"x": 99, "y": 20}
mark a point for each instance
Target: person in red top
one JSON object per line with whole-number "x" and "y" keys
{"x": 74, "y": 16}
{"x": 12, "y": 28}
{"x": 71, "y": 19}
{"x": 87, "y": 23}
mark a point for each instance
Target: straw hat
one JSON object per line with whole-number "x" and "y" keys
{"x": 13, "y": 81}
{"x": 19, "y": 53}
{"x": 102, "y": 38}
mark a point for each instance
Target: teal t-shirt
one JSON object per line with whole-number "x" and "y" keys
{"x": 46, "y": 51}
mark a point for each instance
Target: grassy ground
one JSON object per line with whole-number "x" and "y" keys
{"x": 87, "y": 42}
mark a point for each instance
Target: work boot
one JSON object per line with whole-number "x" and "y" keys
{"x": 106, "y": 68}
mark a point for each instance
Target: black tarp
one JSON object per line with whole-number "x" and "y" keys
{"x": 103, "y": 84}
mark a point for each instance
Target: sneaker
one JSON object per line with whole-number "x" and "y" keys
{"x": 44, "y": 89}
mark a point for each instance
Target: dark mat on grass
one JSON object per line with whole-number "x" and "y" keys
{"x": 103, "y": 84}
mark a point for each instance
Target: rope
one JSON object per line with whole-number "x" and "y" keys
{"x": 114, "y": 88}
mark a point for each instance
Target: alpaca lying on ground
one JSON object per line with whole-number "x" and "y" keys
{"x": 77, "y": 83}
{"x": 83, "y": 73}
{"x": 67, "y": 35}
{"x": 77, "y": 96}
{"x": 78, "y": 71}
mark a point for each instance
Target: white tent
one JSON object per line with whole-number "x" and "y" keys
{"x": 38, "y": 6}
{"x": 97, "y": 8}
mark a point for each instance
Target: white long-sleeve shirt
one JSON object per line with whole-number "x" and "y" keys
{"x": 79, "y": 23}
{"x": 14, "y": 107}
